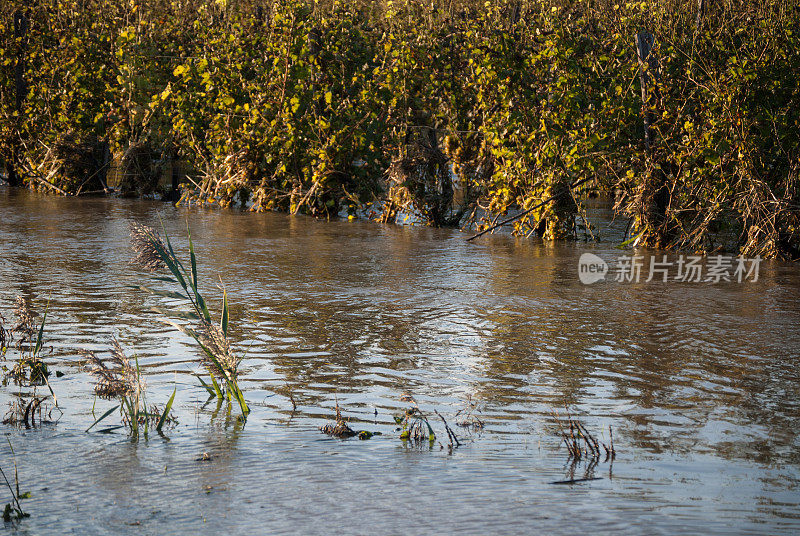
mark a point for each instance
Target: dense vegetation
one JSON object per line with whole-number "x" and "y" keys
{"x": 319, "y": 107}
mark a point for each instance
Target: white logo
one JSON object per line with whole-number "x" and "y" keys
{"x": 690, "y": 269}
{"x": 591, "y": 268}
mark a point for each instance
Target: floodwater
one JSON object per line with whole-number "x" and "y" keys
{"x": 700, "y": 383}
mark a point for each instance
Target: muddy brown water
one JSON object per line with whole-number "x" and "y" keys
{"x": 700, "y": 382}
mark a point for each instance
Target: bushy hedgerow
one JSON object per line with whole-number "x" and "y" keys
{"x": 437, "y": 106}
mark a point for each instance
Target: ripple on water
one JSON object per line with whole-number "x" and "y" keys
{"x": 700, "y": 383}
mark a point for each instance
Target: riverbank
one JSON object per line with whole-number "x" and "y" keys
{"x": 687, "y": 116}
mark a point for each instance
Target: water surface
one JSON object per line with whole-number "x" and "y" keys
{"x": 700, "y": 382}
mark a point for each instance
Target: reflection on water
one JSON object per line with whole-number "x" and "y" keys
{"x": 700, "y": 382}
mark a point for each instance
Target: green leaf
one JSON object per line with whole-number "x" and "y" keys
{"x": 192, "y": 258}
{"x": 168, "y": 258}
{"x": 237, "y": 393}
{"x": 631, "y": 239}
{"x": 224, "y": 320}
{"x": 38, "y": 346}
{"x": 431, "y": 435}
{"x": 106, "y": 414}
{"x": 211, "y": 391}
{"x": 166, "y": 411}
{"x": 110, "y": 429}
{"x": 217, "y": 390}
{"x": 201, "y": 303}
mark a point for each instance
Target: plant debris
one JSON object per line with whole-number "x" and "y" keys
{"x": 22, "y": 412}
{"x": 339, "y": 428}
{"x": 581, "y": 444}
{"x": 414, "y": 425}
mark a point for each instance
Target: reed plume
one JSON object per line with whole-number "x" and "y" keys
{"x": 224, "y": 365}
{"x": 25, "y": 316}
{"x": 122, "y": 380}
{"x": 118, "y": 380}
{"x": 149, "y": 248}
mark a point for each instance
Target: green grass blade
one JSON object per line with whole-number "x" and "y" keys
{"x": 203, "y": 309}
{"x": 128, "y": 407}
{"x": 38, "y": 346}
{"x": 211, "y": 392}
{"x": 431, "y": 435}
{"x": 106, "y": 414}
{"x": 164, "y": 415}
{"x": 166, "y": 238}
{"x": 237, "y": 393}
{"x": 224, "y": 321}
{"x": 110, "y": 429}
{"x": 631, "y": 239}
{"x": 217, "y": 390}
{"x": 201, "y": 303}
{"x": 171, "y": 259}
{"x": 192, "y": 256}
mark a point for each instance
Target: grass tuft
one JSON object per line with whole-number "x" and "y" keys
{"x": 152, "y": 254}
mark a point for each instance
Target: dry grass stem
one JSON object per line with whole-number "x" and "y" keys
{"x": 119, "y": 380}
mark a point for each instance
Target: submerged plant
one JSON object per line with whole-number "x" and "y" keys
{"x": 152, "y": 254}
{"x": 29, "y": 369}
{"x": 13, "y": 510}
{"x": 342, "y": 430}
{"x": 581, "y": 444}
{"x": 118, "y": 378}
{"x": 414, "y": 423}
{"x": 5, "y": 335}
{"x": 24, "y": 412}
{"x": 339, "y": 428}
{"x": 468, "y": 416}
{"x": 415, "y": 426}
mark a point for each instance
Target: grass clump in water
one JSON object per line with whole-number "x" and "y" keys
{"x": 29, "y": 370}
{"x": 119, "y": 378}
{"x": 581, "y": 444}
{"x": 13, "y": 510}
{"x": 24, "y": 411}
{"x": 414, "y": 425}
{"x": 339, "y": 428}
{"x": 153, "y": 254}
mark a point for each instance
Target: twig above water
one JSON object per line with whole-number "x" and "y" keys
{"x": 528, "y": 211}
